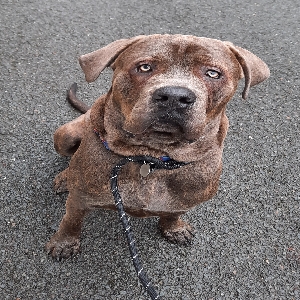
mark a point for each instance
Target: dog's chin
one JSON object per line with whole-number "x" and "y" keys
{"x": 159, "y": 133}
{"x": 165, "y": 129}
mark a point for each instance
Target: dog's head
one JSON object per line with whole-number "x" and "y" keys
{"x": 168, "y": 91}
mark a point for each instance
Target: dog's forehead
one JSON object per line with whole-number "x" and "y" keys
{"x": 177, "y": 46}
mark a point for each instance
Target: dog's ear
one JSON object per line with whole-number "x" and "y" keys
{"x": 93, "y": 63}
{"x": 254, "y": 69}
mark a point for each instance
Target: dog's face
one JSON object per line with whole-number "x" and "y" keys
{"x": 165, "y": 89}
{"x": 169, "y": 91}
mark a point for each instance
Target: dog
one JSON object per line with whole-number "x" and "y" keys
{"x": 167, "y": 99}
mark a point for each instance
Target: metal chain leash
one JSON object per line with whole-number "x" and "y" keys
{"x": 154, "y": 163}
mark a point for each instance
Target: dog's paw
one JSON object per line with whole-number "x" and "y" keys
{"x": 182, "y": 236}
{"x": 177, "y": 231}
{"x": 60, "y": 182}
{"x": 63, "y": 248}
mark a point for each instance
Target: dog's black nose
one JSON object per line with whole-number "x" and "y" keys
{"x": 174, "y": 96}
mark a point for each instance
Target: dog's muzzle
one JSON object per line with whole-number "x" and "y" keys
{"x": 169, "y": 115}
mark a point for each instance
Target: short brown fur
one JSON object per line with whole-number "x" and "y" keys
{"x": 134, "y": 122}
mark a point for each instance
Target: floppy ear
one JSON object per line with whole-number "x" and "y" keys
{"x": 93, "y": 63}
{"x": 254, "y": 69}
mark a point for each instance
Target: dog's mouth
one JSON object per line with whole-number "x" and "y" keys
{"x": 164, "y": 131}
{"x": 161, "y": 129}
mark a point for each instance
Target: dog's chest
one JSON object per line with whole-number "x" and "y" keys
{"x": 147, "y": 193}
{"x": 160, "y": 192}
{"x": 142, "y": 196}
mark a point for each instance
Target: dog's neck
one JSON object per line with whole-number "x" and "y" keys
{"x": 105, "y": 144}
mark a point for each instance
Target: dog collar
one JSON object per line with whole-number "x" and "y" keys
{"x": 105, "y": 144}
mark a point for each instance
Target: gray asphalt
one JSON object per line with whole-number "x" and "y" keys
{"x": 248, "y": 240}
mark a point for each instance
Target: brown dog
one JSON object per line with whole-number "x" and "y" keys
{"x": 168, "y": 98}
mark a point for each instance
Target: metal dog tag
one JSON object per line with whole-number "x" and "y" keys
{"x": 145, "y": 170}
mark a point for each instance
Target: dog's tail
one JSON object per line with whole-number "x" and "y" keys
{"x": 74, "y": 101}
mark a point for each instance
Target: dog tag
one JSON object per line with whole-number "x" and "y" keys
{"x": 145, "y": 170}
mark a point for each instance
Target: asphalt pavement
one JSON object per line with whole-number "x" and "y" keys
{"x": 248, "y": 242}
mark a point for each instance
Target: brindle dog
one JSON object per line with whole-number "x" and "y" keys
{"x": 168, "y": 98}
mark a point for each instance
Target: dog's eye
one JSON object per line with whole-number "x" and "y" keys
{"x": 213, "y": 74}
{"x": 144, "y": 68}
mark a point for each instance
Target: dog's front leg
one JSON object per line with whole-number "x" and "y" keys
{"x": 66, "y": 241}
{"x": 175, "y": 229}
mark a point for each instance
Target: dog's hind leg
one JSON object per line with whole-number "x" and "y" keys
{"x": 67, "y": 138}
{"x": 60, "y": 182}
{"x": 175, "y": 230}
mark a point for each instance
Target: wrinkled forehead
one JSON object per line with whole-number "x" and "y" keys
{"x": 179, "y": 49}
